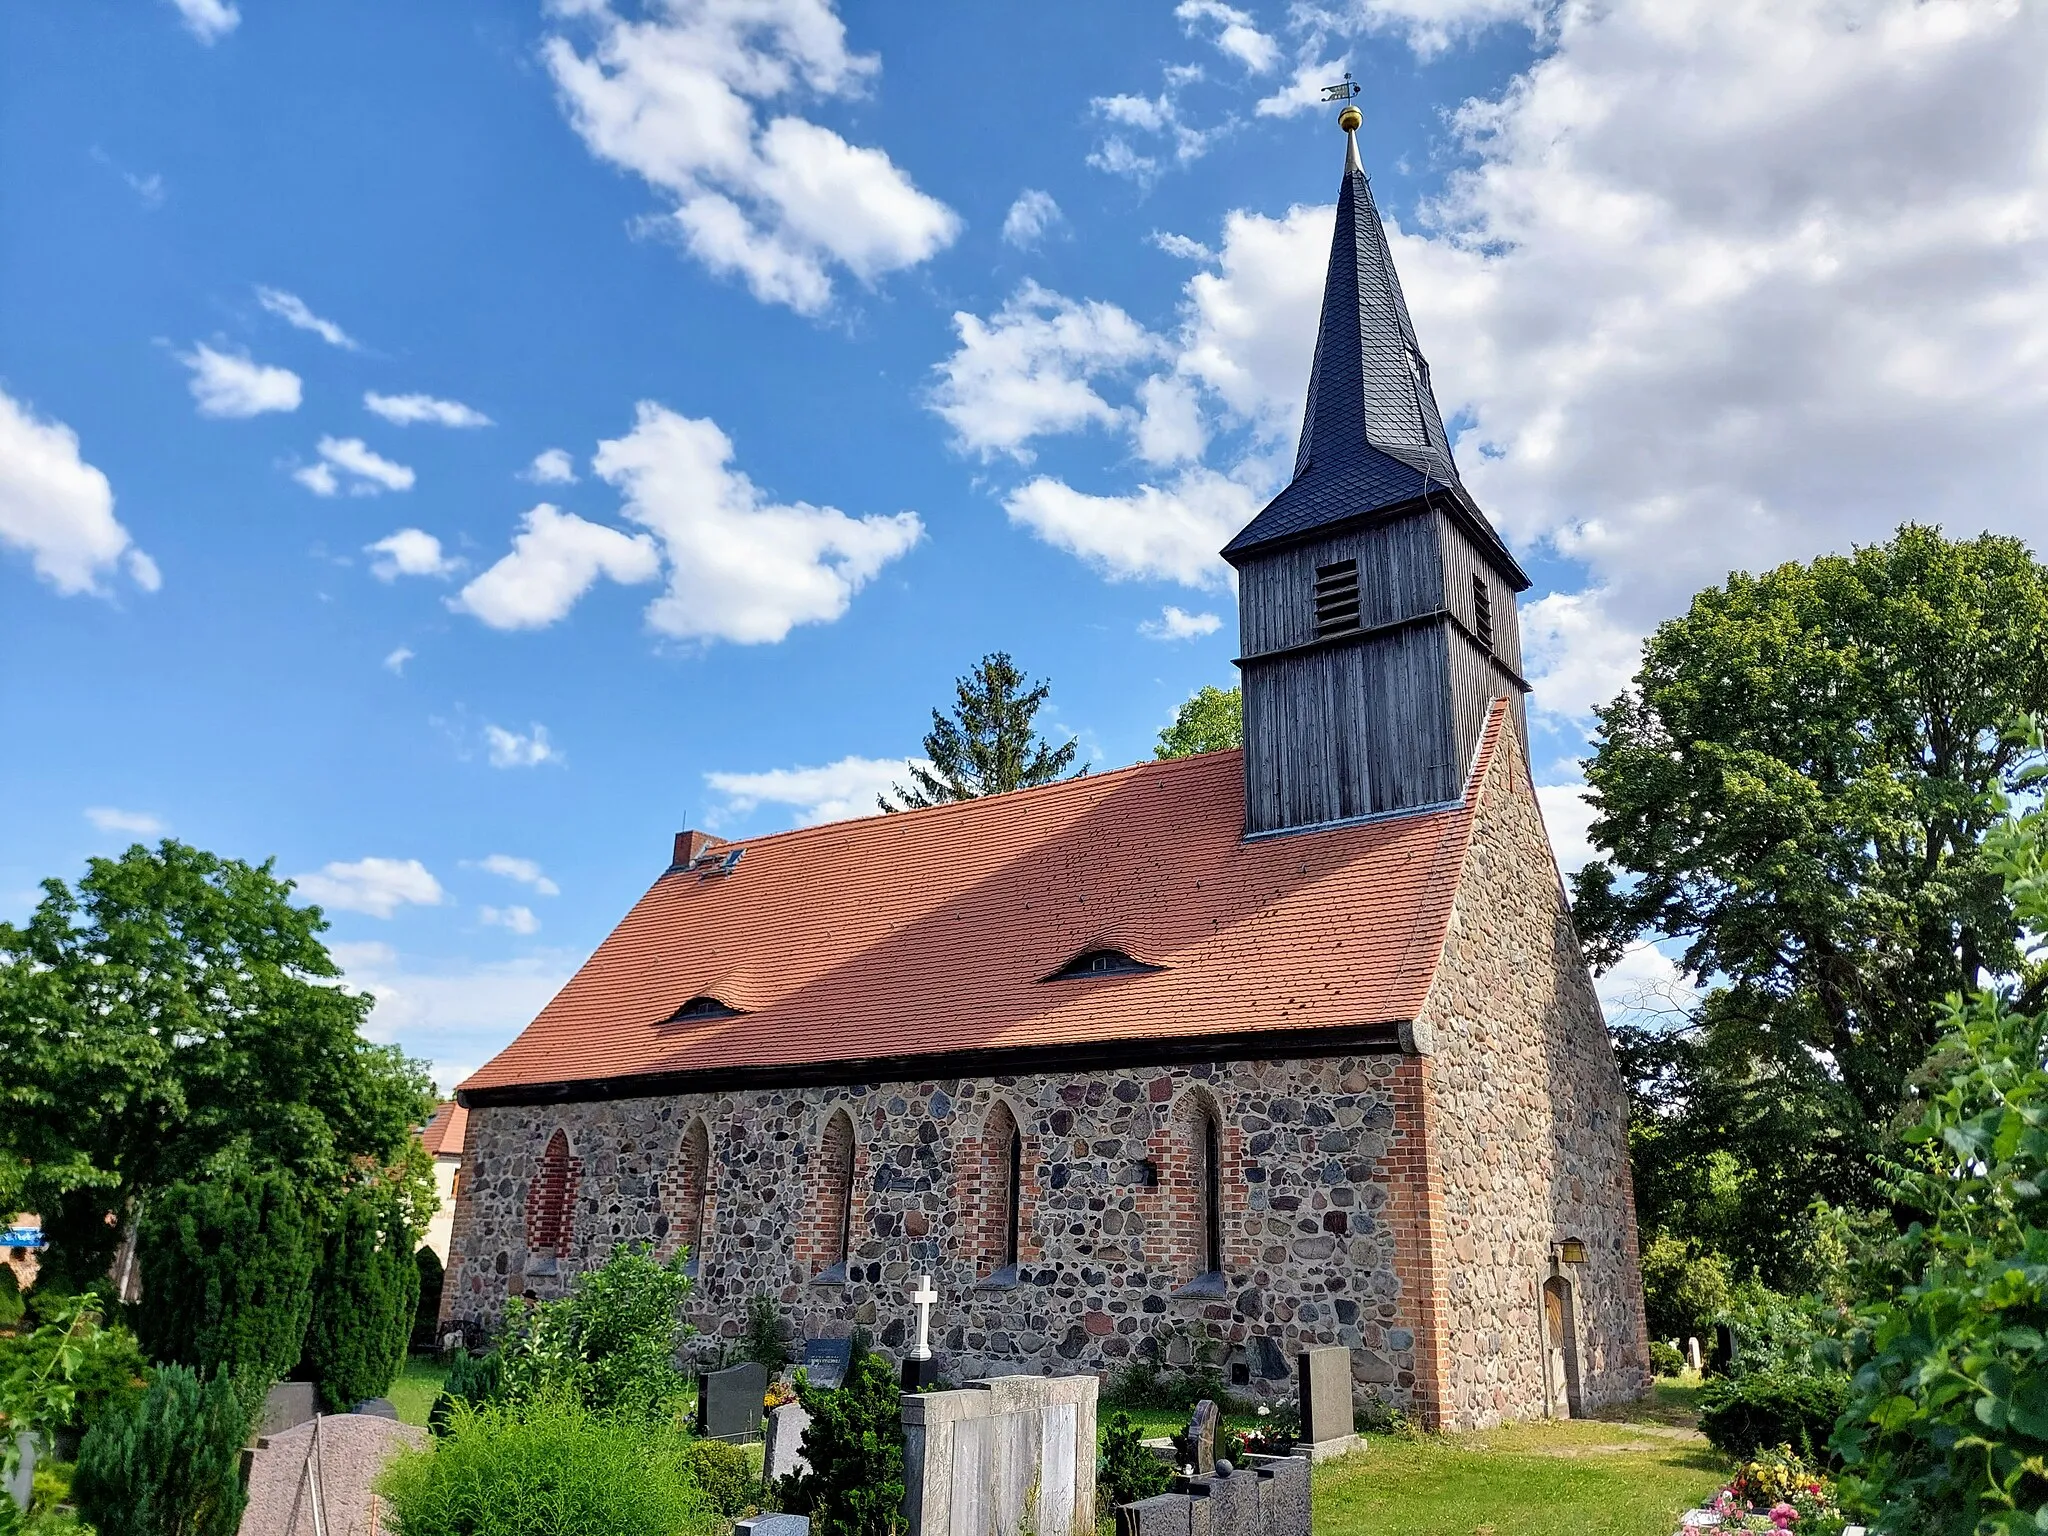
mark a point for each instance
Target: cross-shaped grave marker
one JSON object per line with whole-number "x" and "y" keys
{"x": 919, "y": 1369}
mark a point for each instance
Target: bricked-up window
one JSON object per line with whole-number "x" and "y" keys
{"x": 835, "y": 1190}
{"x": 1002, "y": 1190}
{"x": 695, "y": 1157}
{"x": 1337, "y": 597}
{"x": 1482, "y": 612}
{"x": 550, "y": 1199}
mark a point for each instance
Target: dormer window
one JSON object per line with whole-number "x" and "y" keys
{"x": 1101, "y": 962}
{"x": 704, "y": 1006}
{"x": 1482, "y": 612}
{"x": 1336, "y": 598}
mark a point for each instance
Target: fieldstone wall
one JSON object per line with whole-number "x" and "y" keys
{"x": 1531, "y": 1129}
{"x": 1107, "y": 1261}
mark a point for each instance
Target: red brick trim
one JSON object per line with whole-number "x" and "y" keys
{"x": 688, "y": 1194}
{"x": 983, "y": 1164}
{"x": 1415, "y": 1211}
{"x": 1176, "y": 1205}
{"x": 551, "y": 1198}
{"x": 838, "y": 1167}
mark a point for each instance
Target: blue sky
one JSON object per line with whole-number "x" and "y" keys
{"x": 453, "y": 447}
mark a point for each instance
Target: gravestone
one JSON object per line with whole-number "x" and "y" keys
{"x": 1268, "y": 1362}
{"x": 1232, "y": 1497}
{"x": 1692, "y": 1353}
{"x": 1325, "y": 1388}
{"x": 21, "y": 1486}
{"x": 286, "y": 1406}
{"x": 1200, "y": 1439}
{"x": 826, "y": 1361}
{"x": 774, "y": 1525}
{"x": 729, "y": 1401}
{"x": 786, "y": 1426}
{"x": 1165, "y": 1514}
{"x": 1283, "y": 1494}
{"x": 1000, "y": 1457}
{"x": 1723, "y": 1356}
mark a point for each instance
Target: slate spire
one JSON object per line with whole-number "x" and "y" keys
{"x": 1370, "y": 384}
{"x": 1372, "y": 438}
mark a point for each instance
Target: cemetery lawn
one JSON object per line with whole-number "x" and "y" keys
{"x": 418, "y": 1384}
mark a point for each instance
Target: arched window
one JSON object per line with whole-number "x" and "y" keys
{"x": 834, "y": 1194}
{"x": 1209, "y": 1163}
{"x": 550, "y": 1199}
{"x": 694, "y": 1158}
{"x": 1002, "y": 1191}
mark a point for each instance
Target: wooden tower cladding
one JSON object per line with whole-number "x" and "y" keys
{"x": 1376, "y": 603}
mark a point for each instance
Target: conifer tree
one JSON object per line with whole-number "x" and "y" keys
{"x": 170, "y": 1464}
{"x": 364, "y": 1298}
{"x": 227, "y": 1271}
{"x": 988, "y": 746}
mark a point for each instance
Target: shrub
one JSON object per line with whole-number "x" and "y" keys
{"x": 168, "y": 1464}
{"x": 611, "y": 1342}
{"x": 1742, "y": 1415}
{"x": 551, "y": 1468}
{"x": 364, "y": 1297}
{"x": 855, "y": 1449}
{"x": 65, "y": 1374}
{"x": 11, "y": 1305}
{"x": 1665, "y": 1359}
{"x": 227, "y": 1278}
{"x": 1685, "y": 1287}
{"x": 725, "y": 1473}
{"x": 474, "y": 1381}
{"x": 426, "y": 1318}
{"x": 766, "y": 1340}
{"x": 1129, "y": 1471}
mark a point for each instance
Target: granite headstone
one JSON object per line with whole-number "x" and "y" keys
{"x": 826, "y": 1361}
{"x": 1166, "y": 1514}
{"x": 774, "y": 1525}
{"x": 1693, "y": 1357}
{"x": 786, "y": 1426}
{"x": 729, "y": 1402}
{"x": 1199, "y": 1443}
{"x": 1233, "y": 1500}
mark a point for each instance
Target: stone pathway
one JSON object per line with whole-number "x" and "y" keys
{"x": 353, "y": 1450}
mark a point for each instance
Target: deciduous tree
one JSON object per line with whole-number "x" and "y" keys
{"x": 1212, "y": 720}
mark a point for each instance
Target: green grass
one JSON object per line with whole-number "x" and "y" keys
{"x": 1630, "y": 1473}
{"x": 418, "y": 1384}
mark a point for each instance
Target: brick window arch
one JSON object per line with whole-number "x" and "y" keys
{"x": 828, "y": 1241}
{"x": 694, "y": 1170}
{"x": 1193, "y": 1168}
{"x": 551, "y": 1199}
{"x": 1001, "y": 1223}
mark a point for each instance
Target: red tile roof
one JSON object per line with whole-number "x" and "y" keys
{"x": 445, "y": 1128}
{"x": 931, "y": 932}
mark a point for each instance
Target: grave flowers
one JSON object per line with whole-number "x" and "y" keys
{"x": 1776, "y": 1490}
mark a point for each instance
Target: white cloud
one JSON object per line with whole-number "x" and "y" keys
{"x": 1169, "y": 533}
{"x": 140, "y": 823}
{"x": 551, "y": 466}
{"x": 208, "y": 20}
{"x": 1026, "y": 370}
{"x": 1730, "y": 284}
{"x": 1430, "y": 26}
{"x": 833, "y": 792}
{"x": 1304, "y": 93}
{"x": 58, "y": 508}
{"x": 1646, "y": 987}
{"x": 1568, "y": 817}
{"x": 457, "y": 1015}
{"x": 1182, "y": 246}
{"x": 515, "y": 749}
{"x": 676, "y": 97}
{"x": 1029, "y": 218}
{"x": 149, "y": 190}
{"x": 375, "y": 887}
{"x": 519, "y": 919}
{"x": 1155, "y": 116}
{"x": 369, "y": 473}
{"x": 524, "y": 871}
{"x": 1178, "y": 624}
{"x": 1234, "y": 33}
{"x": 395, "y": 662}
{"x": 230, "y": 384}
{"x": 740, "y": 567}
{"x": 410, "y": 552}
{"x": 1169, "y": 428}
{"x": 408, "y": 410}
{"x": 293, "y": 310}
{"x": 556, "y": 558}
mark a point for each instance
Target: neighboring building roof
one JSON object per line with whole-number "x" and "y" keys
{"x": 445, "y": 1129}
{"x": 931, "y": 934}
{"x": 1372, "y": 438}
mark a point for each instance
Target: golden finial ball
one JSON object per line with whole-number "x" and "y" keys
{"x": 1349, "y": 119}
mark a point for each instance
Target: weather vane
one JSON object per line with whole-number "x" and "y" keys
{"x": 1343, "y": 92}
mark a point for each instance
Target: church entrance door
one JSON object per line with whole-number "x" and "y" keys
{"x": 1560, "y": 1352}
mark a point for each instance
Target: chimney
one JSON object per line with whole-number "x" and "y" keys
{"x": 692, "y": 846}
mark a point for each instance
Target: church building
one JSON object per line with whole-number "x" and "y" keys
{"x": 1241, "y": 1053}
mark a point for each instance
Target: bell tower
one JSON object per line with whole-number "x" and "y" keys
{"x": 1376, "y": 604}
